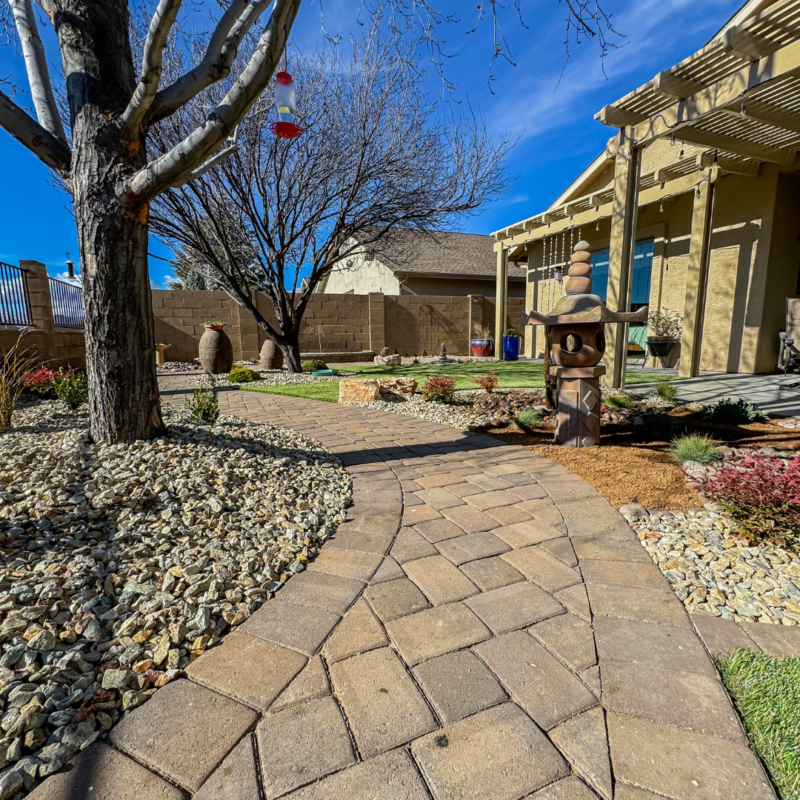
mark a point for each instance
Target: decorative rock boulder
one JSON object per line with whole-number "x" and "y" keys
{"x": 398, "y": 385}
{"x": 354, "y": 390}
{"x": 392, "y": 360}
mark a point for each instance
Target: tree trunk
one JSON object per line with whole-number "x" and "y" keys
{"x": 291, "y": 352}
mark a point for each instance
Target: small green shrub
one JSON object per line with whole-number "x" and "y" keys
{"x": 438, "y": 389}
{"x": 698, "y": 447}
{"x": 733, "y": 412}
{"x": 203, "y": 406}
{"x": 240, "y": 374}
{"x": 72, "y": 389}
{"x": 618, "y": 400}
{"x": 666, "y": 390}
{"x": 527, "y": 420}
{"x": 313, "y": 364}
{"x": 512, "y": 332}
{"x": 656, "y": 427}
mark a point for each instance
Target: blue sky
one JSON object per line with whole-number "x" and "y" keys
{"x": 554, "y": 121}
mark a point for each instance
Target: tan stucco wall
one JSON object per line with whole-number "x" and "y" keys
{"x": 364, "y": 277}
{"x": 459, "y": 287}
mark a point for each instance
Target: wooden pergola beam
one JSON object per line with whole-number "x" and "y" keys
{"x": 738, "y": 41}
{"x": 618, "y": 117}
{"x": 674, "y": 86}
{"x": 739, "y": 147}
{"x": 747, "y": 169}
{"x": 766, "y": 114}
{"x": 726, "y": 92}
{"x": 665, "y": 175}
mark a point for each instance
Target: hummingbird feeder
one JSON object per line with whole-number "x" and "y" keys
{"x": 285, "y": 127}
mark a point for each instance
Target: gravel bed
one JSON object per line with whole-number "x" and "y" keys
{"x": 178, "y": 366}
{"x": 272, "y": 377}
{"x": 711, "y": 569}
{"x": 460, "y": 414}
{"x": 120, "y": 564}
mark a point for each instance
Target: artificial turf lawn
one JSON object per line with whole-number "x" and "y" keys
{"x": 766, "y": 693}
{"x": 510, "y": 374}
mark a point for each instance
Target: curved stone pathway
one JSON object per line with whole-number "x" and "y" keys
{"x": 484, "y": 625}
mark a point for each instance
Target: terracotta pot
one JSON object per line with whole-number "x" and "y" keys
{"x": 271, "y": 355}
{"x": 216, "y": 351}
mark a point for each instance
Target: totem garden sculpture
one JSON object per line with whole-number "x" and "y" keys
{"x": 578, "y": 343}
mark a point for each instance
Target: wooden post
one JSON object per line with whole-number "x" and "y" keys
{"x": 696, "y": 278}
{"x": 625, "y": 211}
{"x": 501, "y": 294}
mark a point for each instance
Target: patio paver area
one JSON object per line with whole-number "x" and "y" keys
{"x": 472, "y": 631}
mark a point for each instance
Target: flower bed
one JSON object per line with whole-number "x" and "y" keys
{"x": 122, "y": 563}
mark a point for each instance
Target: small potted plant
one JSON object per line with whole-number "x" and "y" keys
{"x": 483, "y": 344}
{"x": 214, "y": 325}
{"x": 511, "y": 342}
{"x": 666, "y": 327}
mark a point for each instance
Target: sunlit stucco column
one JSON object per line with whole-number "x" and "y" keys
{"x": 501, "y": 299}
{"x": 532, "y": 286}
{"x": 624, "y": 215}
{"x": 697, "y": 277}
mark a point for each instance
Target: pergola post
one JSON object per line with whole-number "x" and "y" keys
{"x": 696, "y": 279}
{"x": 624, "y": 214}
{"x": 501, "y": 300}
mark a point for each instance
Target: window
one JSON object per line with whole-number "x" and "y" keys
{"x": 642, "y": 274}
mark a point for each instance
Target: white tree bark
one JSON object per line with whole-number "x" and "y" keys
{"x": 152, "y": 64}
{"x": 44, "y": 100}
{"x": 28, "y": 132}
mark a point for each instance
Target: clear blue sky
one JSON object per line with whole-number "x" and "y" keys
{"x": 558, "y": 135}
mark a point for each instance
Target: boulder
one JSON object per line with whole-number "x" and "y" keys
{"x": 355, "y": 390}
{"x": 398, "y": 385}
{"x": 388, "y": 361}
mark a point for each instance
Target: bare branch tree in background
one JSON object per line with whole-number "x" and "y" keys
{"x": 101, "y": 151}
{"x": 376, "y": 156}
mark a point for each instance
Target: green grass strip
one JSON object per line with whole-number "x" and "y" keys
{"x": 327, "y": 390}
{"x": 766, "y": 693}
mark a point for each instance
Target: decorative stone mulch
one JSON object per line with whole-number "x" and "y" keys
{"x": 171, "y": 367}
{"x": 274, "y": 377}
{"x": 120, "y": 564}
{"x": 713, "y": 570}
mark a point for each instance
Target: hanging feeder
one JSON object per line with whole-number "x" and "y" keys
{"x": 285, "y": 103}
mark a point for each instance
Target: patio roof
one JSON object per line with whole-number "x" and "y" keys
{"x": 735, "y": 102}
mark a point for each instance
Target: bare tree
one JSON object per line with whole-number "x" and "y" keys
{"x": 376, "y": 156}
{"x": 101, "y": 151}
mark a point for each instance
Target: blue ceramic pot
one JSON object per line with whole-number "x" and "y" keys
{"x": 511, "y": 348}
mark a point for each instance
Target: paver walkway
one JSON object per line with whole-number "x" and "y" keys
{"x": 484, "y": 625}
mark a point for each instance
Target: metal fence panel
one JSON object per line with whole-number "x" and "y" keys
{"x": 15, "y": 304}
{"x": 67, "y": 302}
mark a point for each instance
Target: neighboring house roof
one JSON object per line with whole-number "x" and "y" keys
{"x": 445, "y": 254}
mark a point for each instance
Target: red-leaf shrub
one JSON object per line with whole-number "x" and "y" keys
{"x": 42, "y": 379}
{"x": 386, "y": 351}
{"x": 438, "y": 389}
{"x": 762, "y": 494}
{"x": 487, "y": 382}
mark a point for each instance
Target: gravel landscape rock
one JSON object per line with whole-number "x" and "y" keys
{"x": 272, "y": 377}
{"x": 119, "y": 564}
{"x": 713, "y": 570}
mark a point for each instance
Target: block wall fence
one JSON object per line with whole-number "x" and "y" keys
{"x": 353, "y": 326}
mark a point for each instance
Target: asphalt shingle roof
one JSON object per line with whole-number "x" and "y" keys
{"x": 409, "y": 252}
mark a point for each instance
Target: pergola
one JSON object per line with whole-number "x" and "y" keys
{"x": 738, "y": 100}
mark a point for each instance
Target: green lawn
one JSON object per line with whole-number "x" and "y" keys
{"x": 327, "y": 391}
{"x": 766, "y": 693}
{"x": 511, "y": 375}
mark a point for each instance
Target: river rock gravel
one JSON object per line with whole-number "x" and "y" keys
{"x": 120, "y": 564}
{"x": 272, "y": 377}
{"x": 713, "y": 570}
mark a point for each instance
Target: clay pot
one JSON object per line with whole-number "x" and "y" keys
{"x": 216, "y": 351}
{"x": 271, "y": 355}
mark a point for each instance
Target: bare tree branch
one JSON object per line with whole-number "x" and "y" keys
{"x": 44, "y": 100}
{"x": 26, "y": 130}
{"x": 235, "y": 24}
{"x": 170, "y": 168}
{"x": 152, "y": 61}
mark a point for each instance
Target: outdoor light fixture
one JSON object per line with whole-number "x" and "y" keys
{"x": 559, "y": 273}
{"x": 70, "y": 267}
{"x": 661, "y": 209}
{"x": 285, "y": 103}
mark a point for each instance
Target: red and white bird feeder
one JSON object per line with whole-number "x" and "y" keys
{"x": 285, "y": 102}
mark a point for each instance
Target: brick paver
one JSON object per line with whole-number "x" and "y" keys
{"x": 483, "y": 625}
